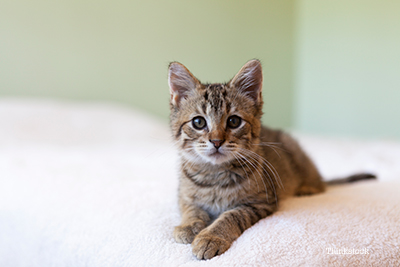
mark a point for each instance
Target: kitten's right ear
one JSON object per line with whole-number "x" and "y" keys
{"x": 181, "y": 82}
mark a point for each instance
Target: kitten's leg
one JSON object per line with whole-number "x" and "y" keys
{"x": 218, "y": 237}
{"x": 194, "y": 219}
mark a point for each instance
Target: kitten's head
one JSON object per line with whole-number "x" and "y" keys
{"x": 215, "y": 123}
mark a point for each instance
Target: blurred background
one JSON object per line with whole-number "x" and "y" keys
{"x": 330, "y": 67}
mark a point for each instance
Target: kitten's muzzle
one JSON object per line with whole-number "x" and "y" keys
{"x": 217, "y": 143}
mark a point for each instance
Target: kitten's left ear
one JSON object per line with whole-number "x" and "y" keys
{"x": 181, "y": 82}
{"x": 249, "y": 80}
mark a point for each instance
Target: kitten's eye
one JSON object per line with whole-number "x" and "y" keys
{"x": 234, "y": 122}
{"x": 199, "y": 123}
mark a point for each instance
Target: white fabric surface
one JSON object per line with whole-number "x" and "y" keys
{"x": 94, "y": 184}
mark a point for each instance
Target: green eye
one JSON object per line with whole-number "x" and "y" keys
{"x": 199, "y": 123}
{"x": 234, "y": 122}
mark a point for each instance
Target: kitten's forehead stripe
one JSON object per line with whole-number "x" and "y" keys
{"x": 206, "y": 95}
{"x": 228, "y": 106}
{"x": 204, "y": 108}
{"x": 216, "y": 95}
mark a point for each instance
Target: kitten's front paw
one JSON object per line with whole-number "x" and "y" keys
{"x": 206, "y": 246}
{"x": 187, "y": 232}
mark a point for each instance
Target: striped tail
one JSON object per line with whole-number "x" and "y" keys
{"x": 352, "y": 179}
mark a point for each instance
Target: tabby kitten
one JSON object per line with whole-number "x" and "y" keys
{"x": 233, "y": 170}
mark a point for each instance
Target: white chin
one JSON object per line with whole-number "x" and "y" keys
{"x": 217, "y": 158}
{"x": 213, "y": 158}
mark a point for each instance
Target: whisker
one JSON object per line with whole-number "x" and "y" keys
{"x": 270, "y": 146}
{"x": 237, "y": 158}
{"x": 246, "y": 164}
{"x": 193, "y": 162}
{"x": 270, "y": 167}
{"x": 265, "y": 161}
{"x": 158, "y": 149}
{"x": 252, "y": 164}
{"x": 273, "y": 144}
{"x": 269, "y": 180}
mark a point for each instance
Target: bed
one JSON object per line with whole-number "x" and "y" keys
{"x": 95, "y": 184}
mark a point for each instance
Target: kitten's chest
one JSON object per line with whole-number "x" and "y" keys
{"x": 217, "y": 201}
{"x": 219, "y": 191}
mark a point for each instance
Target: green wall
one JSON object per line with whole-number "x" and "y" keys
{"x": 330, "y": 67}
{"x": 348, "y": 67}
{"x": 120, "y": 50}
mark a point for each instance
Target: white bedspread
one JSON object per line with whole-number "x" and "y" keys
{"x": 92, "y": 184}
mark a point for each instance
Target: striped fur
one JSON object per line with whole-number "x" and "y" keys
{"x": 223, "y": 191}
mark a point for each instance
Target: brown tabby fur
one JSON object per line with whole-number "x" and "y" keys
{"x": 223, "y": 194}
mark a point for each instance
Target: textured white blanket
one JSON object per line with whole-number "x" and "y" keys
{"x": 89, "y": 184}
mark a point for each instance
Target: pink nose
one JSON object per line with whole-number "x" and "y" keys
{"x": 217, "y": 143}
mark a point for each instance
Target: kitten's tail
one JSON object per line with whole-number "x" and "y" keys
{"x": 352, "y": 179}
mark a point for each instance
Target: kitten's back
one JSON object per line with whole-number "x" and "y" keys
{"x": 298, "y": 174}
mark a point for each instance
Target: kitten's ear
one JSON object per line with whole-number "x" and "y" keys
{"x": 181, "y": 82}
{"x": 249, "y": 79}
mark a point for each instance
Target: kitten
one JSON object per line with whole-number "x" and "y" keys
{"x": 233, "y": 170}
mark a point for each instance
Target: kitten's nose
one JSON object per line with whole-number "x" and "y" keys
{"x": 217, "y": 143}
